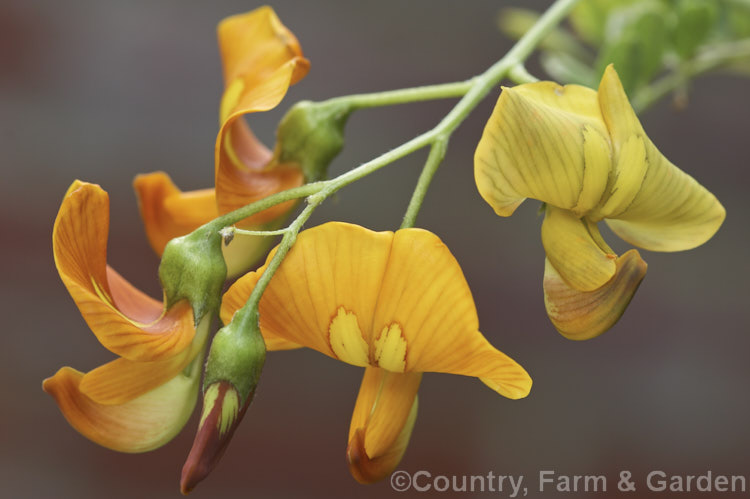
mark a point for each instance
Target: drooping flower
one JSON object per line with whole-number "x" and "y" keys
{"x": 586, "y": 156}
{"x": 261, "y": 59}
{"x": 396, "y": 304}
{"x": 142, "y": 399}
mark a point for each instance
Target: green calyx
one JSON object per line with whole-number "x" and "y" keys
{"x": 193, "y": 268}
{"x": 311, "y": 135}
{"x": 237, "y": 355}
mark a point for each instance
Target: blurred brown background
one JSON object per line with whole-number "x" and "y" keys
{"x": 104, "y": 90}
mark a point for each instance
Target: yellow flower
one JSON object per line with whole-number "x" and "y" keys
{"x": 585, "y": 154}
{"x": 396, "y": 304}
{"x": 261, "y": 59}
{"x": 141, "y": 400}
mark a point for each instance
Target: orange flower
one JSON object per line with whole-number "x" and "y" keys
{"x": 261, "y": 59}
{"x": 142, "y": 399}
{"x": 396, "y": 304}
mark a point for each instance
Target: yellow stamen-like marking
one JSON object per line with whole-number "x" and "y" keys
{"x": 346, "y": 339}
{"x": 229, "y": 410}
{"x": 390, "y": 349}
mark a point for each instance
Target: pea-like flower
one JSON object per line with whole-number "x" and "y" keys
{"x": 261, "y": 59}
{"x": 586, "y": 156}
{"x": 396, "y": 304}
{"x": 142, "y": 399}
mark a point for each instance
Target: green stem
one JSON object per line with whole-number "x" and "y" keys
{"x": 707, "y": 60}
{"x": 437, "y": 153}
{"x": 519, "y": 74}
{"x": 473, "y": 91}
{"x": 403, "y": 96}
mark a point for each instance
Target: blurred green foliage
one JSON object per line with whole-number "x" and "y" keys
{"x": 655, "y": 45}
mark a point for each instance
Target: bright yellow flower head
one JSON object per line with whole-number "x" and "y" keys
{"x": 394, "y": 303}
{"x": 261, "y": 59}
{"x": 585, "y": 154}
{"x": 142, "y": 399}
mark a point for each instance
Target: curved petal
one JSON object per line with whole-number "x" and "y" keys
{"x": 261, "y": 59}
{"x": 142, "y": 424}
{"x": 574, "y": 248}
{"x": 168, "y": 212}
{"x": 396, "y": 301}
{"x": 546, "y": 142}
{"x": 255, "y": 43}
{"x": 580, "y": 315}
{"x": 80, "y": 248}
{"x": 235, "y": 298}
{"x": 382, "y": 422}
{"x": 665, "y": 208}
{"x": 123, "y": 380}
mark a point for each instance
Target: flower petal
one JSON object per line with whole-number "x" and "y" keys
{"x": 235, "y": 298}
{"x": 328, "y": 285}
{"x": 396, "y": 301}
{"x": 546, "y": 142}
{"x": 142, "y": 424}
{"x": 580, "y": 315}
{"x": 80, "y": 248}
{"x": 382, "y": 423}
{"x": 426, "y": 319}
{"x": 572, "y": 247}
{"x": 255, "y": 44}
{"x": 665, "y": 209}
{"x": 168, "y": 212}
{"x": 261, "y": 59}
{"x": 123, "y": 380}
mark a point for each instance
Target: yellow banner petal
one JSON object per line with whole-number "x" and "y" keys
{"x": 571, "y": 247}
{"x": 382, "y": 422}
{"x": 534, "y": 145}
{"x": 665, "y": 209}
{"x": 79, "y": 243}
{"x": 333, "y": 269}
{"x": 396, "y": 301}
{"x": 580, "y": 315}
{"x": 235, "y": 298}
{"x": 142, "y": 424}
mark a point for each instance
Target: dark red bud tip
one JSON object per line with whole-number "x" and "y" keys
{"x": 220, "y": 417}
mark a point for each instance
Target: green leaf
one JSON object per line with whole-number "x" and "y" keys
{"x": 695, "y": 20}
{"x": 635, "y": 43}
{"x": 515, "y": 22}
{"x": 589, "y": 18}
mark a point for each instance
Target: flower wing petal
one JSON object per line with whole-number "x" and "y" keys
{"x": 80, "y": 249}
{"x": 382, "y": 422}
{"x": 581, "y": 315}
{"x": 122, "y": 380}
{"x": 142, "y": 424}
{"x": 665, "y": 209}
{"x": 546, "y": 142}
{"x": 168, "y": 212}
{"x": 574, "y": 250}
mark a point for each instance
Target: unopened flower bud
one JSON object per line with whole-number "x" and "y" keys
{"x": 232, "y": 372}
